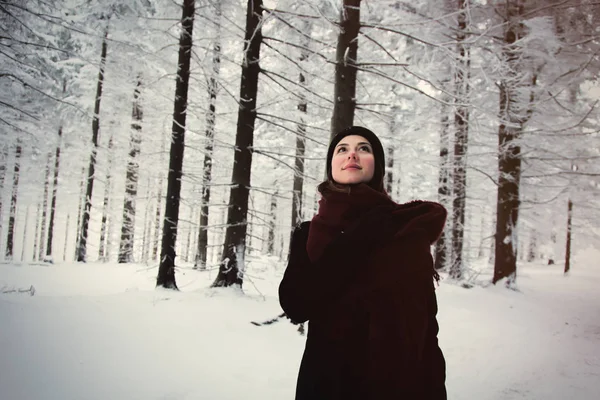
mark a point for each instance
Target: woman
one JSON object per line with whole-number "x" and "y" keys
{"x": 361, "y": 273}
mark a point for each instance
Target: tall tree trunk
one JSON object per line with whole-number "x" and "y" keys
{"x": 346, "y": 53}
{"x": 3, "y": 163}
{"x": 298, "y": 184}
{"x": 43, "y": 223}
{"x": 441, "y": 248}
{"x": 166, "y": 270}
{"x": 272, "y": 222}
{"x": 157, "y": 215}
{"x": 37, "y": 231}
{"x": 13, "y": 203}
{"x": 513, "y": 116}
{"x": 231, "y": 269}
{"x": 147, "y": 225}
{"x": 80, "y": 209}
{"x": 461, "y": 123}
{"x": 66, "y": 237}
{"x": 202, "y": 245}
{"x": 569, "y": 227}
{"x": 24, "y": 240}
{"x": 131, "y": 183}
{"x": 102, "y": 249}
{"x": 82, "y": 242}
{"x": 48, "y": 257}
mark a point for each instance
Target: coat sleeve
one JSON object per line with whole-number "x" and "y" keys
{"x": 308, "y": 289}
{"x": 293, "y": 289}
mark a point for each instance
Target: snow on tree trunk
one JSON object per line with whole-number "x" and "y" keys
{"x": 13, "y": 203}
{"x": 441, "y": 248}
{"x": 85, "y": 219}
{"x": 461, "y": 123}
{"x": 66, "y": 237}
{"x": 231, "y": 268}
{"x": 157, "y": 215}
{"x": 131, "y": 180}
{"x": 43, "y": 223}
{"x": 344, "y": 92}
{"x": 24, "y": 240}
{"x": 272, "y": 222}
{"x": 48, "y": 257}
{"x": 37, "y": 232}
{"x": 202, "y": 242}
{"x": 166, "y": 270}
{"x": 103, "y": 248}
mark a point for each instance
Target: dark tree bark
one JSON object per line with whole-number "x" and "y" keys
{"x": 166, "y": 270}
{"x": 3, "y": 162}
{"x": 569, "y": 227}
{"x": 202, "y": 245}
{"x": 10, "y": 237}
{"x": 104, "y": 231}
{"x": 344, "y": 92}
{"x": 131, "y": 180}
{"x": 441, "y": 248}
{"x": 514, "y": 113}
{"x": 43, "y": 222}
{"x": 231, "y": 268}
{"x": 85, "y": 220}
{"x": 461, "y": 123}
{"x": 53, "y": 202}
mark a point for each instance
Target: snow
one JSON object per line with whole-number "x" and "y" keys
{"x": 99, "y": 331}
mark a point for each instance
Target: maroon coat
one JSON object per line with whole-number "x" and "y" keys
{"x": 371, "y": 306}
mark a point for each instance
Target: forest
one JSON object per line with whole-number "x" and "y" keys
{"x": 193, "y": 133}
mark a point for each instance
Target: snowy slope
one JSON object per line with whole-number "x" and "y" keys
{"x": 100, "y": 331}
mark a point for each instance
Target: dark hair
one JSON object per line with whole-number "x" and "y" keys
{"x": 330, "y": 185}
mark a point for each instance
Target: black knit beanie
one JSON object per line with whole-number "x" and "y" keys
{"x": 377, "y": 181}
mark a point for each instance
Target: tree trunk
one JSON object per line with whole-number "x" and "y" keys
{"x": 13, "y": 203}
{"x": 272, "y": 222}
{"x": 147, "y": 225}
{"x": 82, "y": 242}
{"x": 346, "y": 53}
{"x": 53, "y": 202}
{"x": 157, "y": 215}
{"x": 3, "y": 163}
{"x": 131, "y": 183}
{"x": 103, "y": 251}
{"x": 298, "y": 184}
{"x": 569, "y": 227}
{"x": 43, "y": 223}
{"x": 513, "y": 115}
{"x": 441, "y": 248}
{"x": 24, "y": 241}
{"x": 37, "y": 232}
{"x": 202, "y": 245}
{"x": 66, "y": 237}
{"x": 461, "y": 123}
{"x": 80, "y": 209}
{"x": 231, "y": 269}
{"x": 166, "y": 270}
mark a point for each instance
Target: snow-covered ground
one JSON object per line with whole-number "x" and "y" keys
{"x": 102, "y": 331}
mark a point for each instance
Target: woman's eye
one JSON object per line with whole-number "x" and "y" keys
{"x": 341, "y": 149}
{"x": 365, "y": 148}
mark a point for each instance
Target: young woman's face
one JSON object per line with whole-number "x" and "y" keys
{"x": 353, "y": 161}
